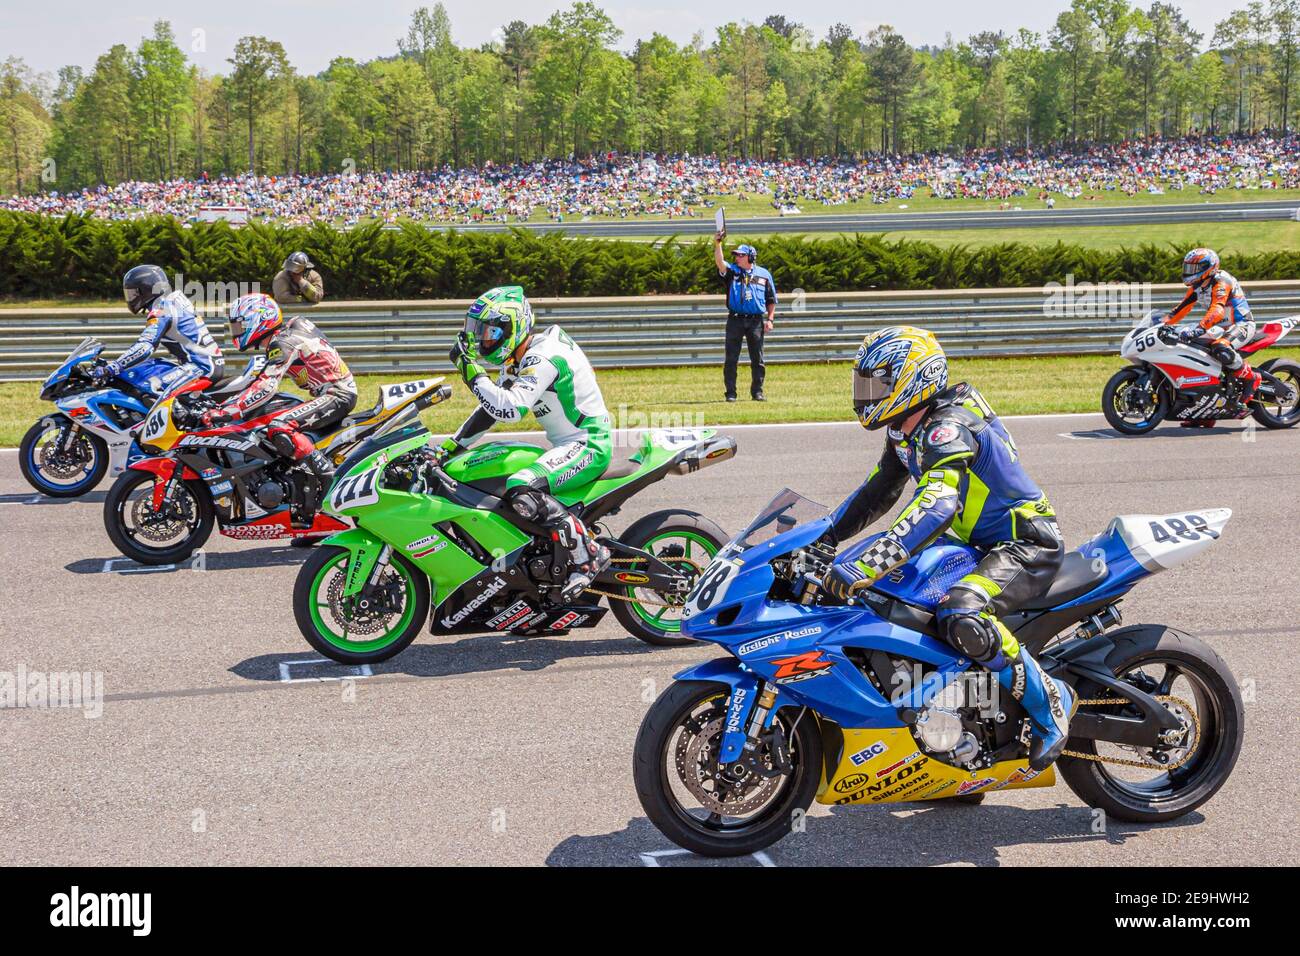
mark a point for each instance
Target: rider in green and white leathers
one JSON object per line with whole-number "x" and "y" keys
{"x": 547, "y": 374}
{"x": 554, "y": 381}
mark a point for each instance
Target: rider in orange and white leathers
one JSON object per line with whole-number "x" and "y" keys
{"x": 1227, "y": 324}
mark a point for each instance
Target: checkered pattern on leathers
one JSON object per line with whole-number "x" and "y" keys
{"x": 885, "y": 553}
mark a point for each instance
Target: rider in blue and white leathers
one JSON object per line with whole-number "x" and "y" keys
{"x": 171, "y": 323}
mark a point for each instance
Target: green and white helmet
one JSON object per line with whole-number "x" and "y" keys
{"x": 498, "y": 321}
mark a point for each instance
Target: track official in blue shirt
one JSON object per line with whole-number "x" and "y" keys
{"x": 751, "y": 306}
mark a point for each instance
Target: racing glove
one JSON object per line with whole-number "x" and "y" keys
{"x": 464, "y": 360}
{"x": 448, "y": 448}
{"x": 214, "y": 417}
{"x": 101, "y": 373}
{"x": 1190, "y": 333}
{"x": 861, "y": 566}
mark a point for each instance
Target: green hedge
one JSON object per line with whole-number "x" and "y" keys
{"x": 42, "y": 257}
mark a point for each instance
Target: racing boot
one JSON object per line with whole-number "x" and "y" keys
{"x": 1250, "y": 380}
{"x": 320, "y": 472}
{"x": 587, "y": 556}
{"x": 1049, "y": 702}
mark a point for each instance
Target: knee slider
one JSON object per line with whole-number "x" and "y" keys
{"x": 1227, "y": 356}
{"x": 291, "y": 443}
{"x": 972, "y": 634}
{"x": 526, "y": 502}
{"x": 536, "y": 506}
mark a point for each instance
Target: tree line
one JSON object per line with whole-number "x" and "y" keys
{"x": 573, "y": 87}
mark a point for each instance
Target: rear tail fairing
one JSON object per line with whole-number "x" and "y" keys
{"x": 1134, "y": 546}
{"x": 659, "y": 453}
{"x": 662, "y": 452}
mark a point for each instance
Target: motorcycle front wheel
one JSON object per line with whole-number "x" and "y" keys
{"x": 155, "y": 537}
{"x": 710, "y": 810}
{"x": 1203, "y": 695}
{"x": 1133, "y": 406}
{"x": 62, "y": 472}
{"x": 365, "y": 628}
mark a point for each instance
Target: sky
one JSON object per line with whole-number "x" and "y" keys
{"x": 55, "y": 33}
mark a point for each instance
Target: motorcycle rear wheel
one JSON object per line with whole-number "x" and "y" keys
{"x": 1115, "y": 393}
{"x": 1188, "y": 668}
{"x": 675, "y": 534}
{"x": 662, "y": 756}
{"x": 1288, "y": 415}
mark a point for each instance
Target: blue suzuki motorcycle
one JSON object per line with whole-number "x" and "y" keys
{"x": 68, "y": 452}
{"x": 863, "y": 702}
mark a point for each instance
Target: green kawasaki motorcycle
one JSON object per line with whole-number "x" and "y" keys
{"x": 433, "y": 542}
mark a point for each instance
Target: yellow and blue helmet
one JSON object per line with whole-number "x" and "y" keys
{"x": 896, "y": 371}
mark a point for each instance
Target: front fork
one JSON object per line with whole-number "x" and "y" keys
{"x": 742, "y": 732}
{"x": 164, "y": 486}
{"x": 69, "y": 435}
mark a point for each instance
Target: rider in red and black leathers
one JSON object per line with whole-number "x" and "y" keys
{"x": 297, "y": 349}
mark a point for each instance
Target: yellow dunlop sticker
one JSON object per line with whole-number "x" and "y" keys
{"x": 887, "y": 766}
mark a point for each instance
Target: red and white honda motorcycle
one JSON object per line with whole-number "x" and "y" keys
{"x": 1181, "y": 380}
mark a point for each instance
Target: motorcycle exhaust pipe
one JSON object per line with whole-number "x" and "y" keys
{"x": 710, "y": 452}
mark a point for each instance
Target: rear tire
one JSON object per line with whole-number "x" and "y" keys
{"x": 28, "y": 451}
{"x": 690, "y": 529}
{"x": 114, "y": 522}
{"x": 1114, "y": 393}
{"x": 661, "y": 728}
{"x": 1222, "y": 726}
{"x": 1289, "y": 372}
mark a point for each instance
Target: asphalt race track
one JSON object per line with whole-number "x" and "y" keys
{"x": 218, "y": 743}
{"x": 905, "y": 221}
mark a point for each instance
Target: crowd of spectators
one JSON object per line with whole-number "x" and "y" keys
{"x": 620, "y": 186}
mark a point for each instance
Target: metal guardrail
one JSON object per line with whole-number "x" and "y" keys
{"x": 646, "y": 331}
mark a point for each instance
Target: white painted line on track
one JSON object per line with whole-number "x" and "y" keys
{"x": 286, "y": 675}
{"x": 135, "y": 569}
{"x": 653, "y": 857}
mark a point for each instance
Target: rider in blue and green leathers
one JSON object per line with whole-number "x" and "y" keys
{"x": 971, "y": 487}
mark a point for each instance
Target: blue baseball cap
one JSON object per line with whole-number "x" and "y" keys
{"x": 746, "y": 250}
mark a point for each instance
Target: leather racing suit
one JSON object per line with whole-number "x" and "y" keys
{"x": 1226, "y": 326}
{"x": 971, "y": 487}
{"x": 554, "y": 380}
{"x": 175, "y": 325}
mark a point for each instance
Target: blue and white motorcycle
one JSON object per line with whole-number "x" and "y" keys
{"x": 67, "y": 452}
{"x": 863, "y": 703}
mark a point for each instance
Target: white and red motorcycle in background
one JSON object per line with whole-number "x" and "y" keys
{"x": 1182, "y": 381}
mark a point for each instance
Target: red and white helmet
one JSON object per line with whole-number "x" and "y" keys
{"x": 253, "y": 318}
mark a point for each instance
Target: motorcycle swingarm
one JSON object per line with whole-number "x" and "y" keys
{"x": 1141, "y": 731}
{"x": 660, "y": 576}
